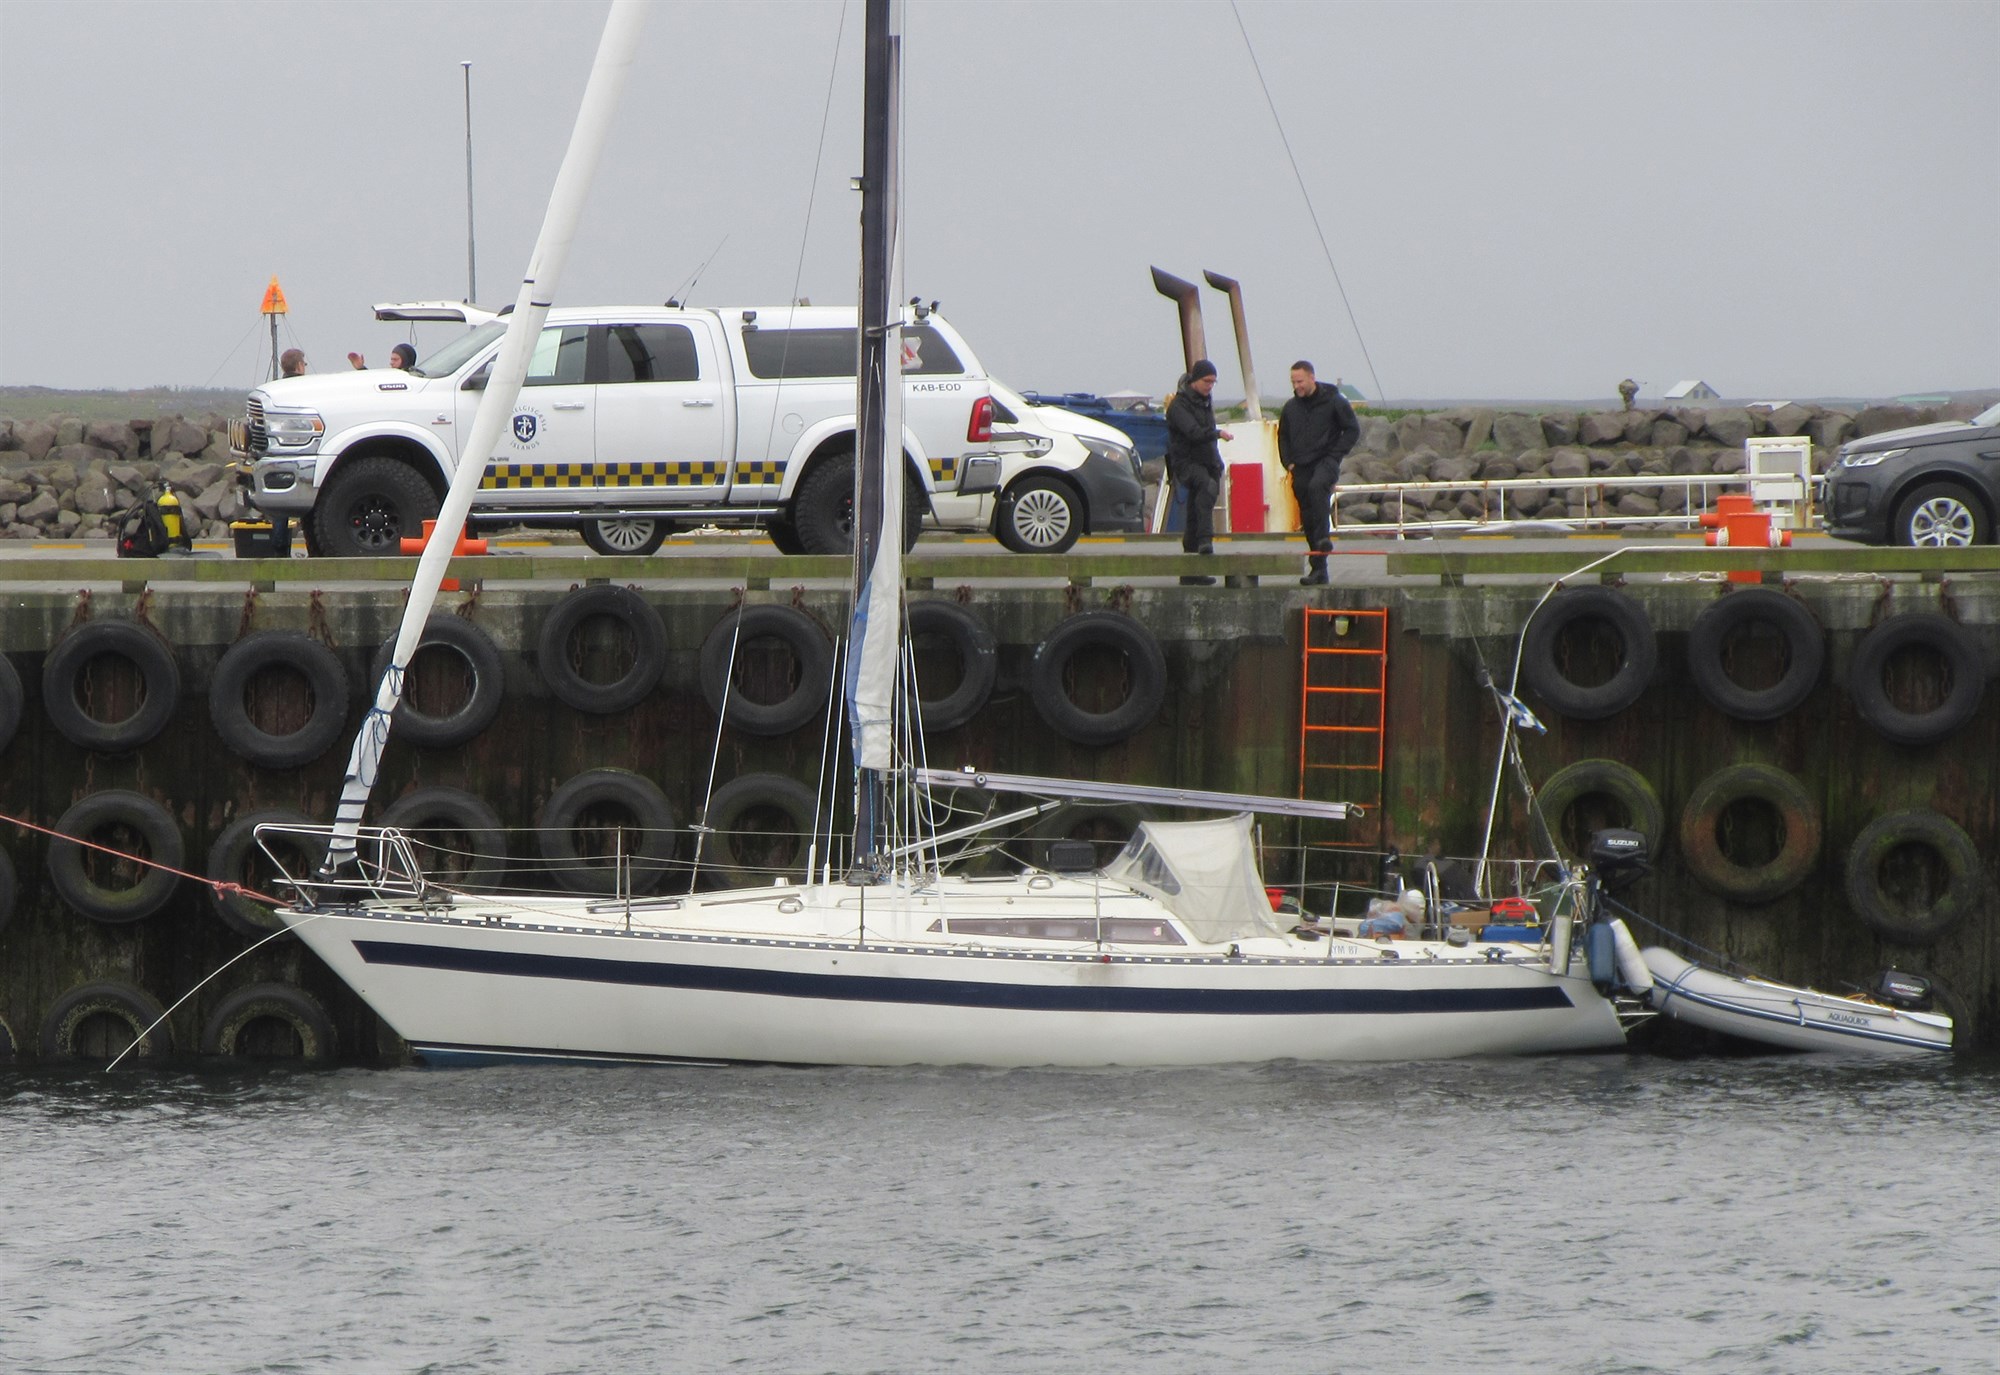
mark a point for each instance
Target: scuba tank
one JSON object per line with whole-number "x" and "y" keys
{"x": 172, "y": 521}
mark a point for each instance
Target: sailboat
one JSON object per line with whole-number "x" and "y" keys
{"x": 1171, "y": 954}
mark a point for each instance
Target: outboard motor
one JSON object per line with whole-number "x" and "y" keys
{"x": 1618, "y": 858}
{"x": 1911, "y": 992}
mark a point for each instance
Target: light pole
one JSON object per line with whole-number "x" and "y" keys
{"x": 471, "y": 261}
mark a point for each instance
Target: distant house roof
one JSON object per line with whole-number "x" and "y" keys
{"x": 1695, "y": 390}
{"x": 1351, "y": 392}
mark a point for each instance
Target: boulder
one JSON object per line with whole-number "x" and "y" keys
{"x": 1478, "y": 429}
{"x": 1728, "y": 425}
{"x": 66, "y": 521}
{"x": 1686, "y": 462}
{"x": 1877, "y": 419}
{"x": 1454, "y": 468}
{"x": 218, "y": 448}
{"x": 1666, "y": 433}
{"x": 1534, "y": 461}
{"x": 1569, "y": 463}
{"x": 95, "y": 492}
{"x": 173, "y": 435}
{"x": 1636, "y": 503}
{"x": 78, "y": 457}
{"x": 1689, "y": 418}
{"x": 1378, "y": 436}
{"x": 8, "y": 443}
{"x": 69, "y": 430}
{"x": 1789, "y": 419}
{"x": 1612, "y": 465}
{"x": 208, "y": 503}
{"x": 40, "y": 508}
{"x": 1558, "y": 428}
{"x": 1499, "y": 469}
{"x": 1727, "y": 460}
{"x": 190, "y": 475}
{"x": 8, "y": 510}
{"x": 1526, "y": 500}
{"x": 1673, "y": 500}
{"x": 1604, "y": 427}
{"x": 1441, "y": 433}
{"x": 14, "y": 490}
{"x": 115, "y": 435}
{"x": 1368, "y": 468}
{"x": 1639, "y": 425}
{"x": 1359, "y": 510}
{"x": 128, "y": 475}
{"x": 1513, "y": 431}
{"x": 34, "y": 440}
{"x": 1471, "y": 506}
{"x": 1652, "y": 463}
{"x": 1830, "y": 429}
{"x": 1415, "y": 466}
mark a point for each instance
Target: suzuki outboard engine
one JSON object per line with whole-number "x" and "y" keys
{"x": 1618, "y": 858}
{"x": 1911, "y": 992}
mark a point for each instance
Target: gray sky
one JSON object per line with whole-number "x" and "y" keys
{"x": 1522, "y": 200}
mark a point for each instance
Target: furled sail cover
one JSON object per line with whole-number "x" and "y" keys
{"x": 1204, "y": 872}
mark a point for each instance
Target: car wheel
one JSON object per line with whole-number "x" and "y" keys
{"x": 1039, "y": 515}
{"x": 1941, "y": 515}
{"x": 634, "y": 535}
{"x": 370, "y": 506}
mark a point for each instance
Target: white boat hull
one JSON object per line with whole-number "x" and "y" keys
{"x": 1789, "y": 1018}
{"x": 457, "y": 987}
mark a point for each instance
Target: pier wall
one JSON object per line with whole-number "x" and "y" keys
{"x": 1230, "y": 720}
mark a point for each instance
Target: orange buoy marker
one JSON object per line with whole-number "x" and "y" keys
{"x": 1736, "y": 523}
{"x": 273, "y": 307}
{"x": 464, "y": 546}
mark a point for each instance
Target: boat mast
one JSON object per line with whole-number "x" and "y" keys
{"x": 496, "y": 406}
{"x": 878, "y": 485}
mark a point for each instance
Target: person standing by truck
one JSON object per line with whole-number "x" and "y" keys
{"x": 1316, "y": 430}
{"x": 1193, "y": 460}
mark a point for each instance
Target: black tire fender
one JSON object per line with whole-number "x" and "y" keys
{"x": 1701, "y": 844}
{"x": 449, "y": 631}
{"x": 566, "y": 680}
{"x": 68, "y": 859}
{"x": 978, "y": 661}
{"x": 10, "y": 701}
{"x": 648, "y": 851}
{"x": 1708, "y": 642}
{"x": 482, "y": 860}
{"x": 326, "y": 682}
{"x": 1871, "y": 902}
{"x": 10, "y": 888}
{"x": 222, "y": 1033}
{"x": 235, "y": 857}
{"x": 741, "y": 799}
{"x": 812, "y": 678}
{"x": 1624, "y": 785}
{"x": 1541, "y": 663}
{"x": 1952, "y": 641}
{"x": 1147, "y": 668}
{"x": 135, "y": 1007}
{"x": 64, "y": 669}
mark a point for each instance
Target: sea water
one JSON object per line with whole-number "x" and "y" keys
{"x": 1592, "y": 1214}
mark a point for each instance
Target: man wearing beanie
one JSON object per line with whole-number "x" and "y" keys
{"x": 1193, "y": 460}
{"x": 1316, "y": 430}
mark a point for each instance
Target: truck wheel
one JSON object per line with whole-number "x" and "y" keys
{"x": 370, "y": 505}
{"x": 1039, "y": 515}
{"x": 823, "y": 508}
{"x": 625, "y": 536}
{"x": 783, "y": 536}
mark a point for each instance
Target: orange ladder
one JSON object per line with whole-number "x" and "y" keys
{"x": 1343, "y": 707}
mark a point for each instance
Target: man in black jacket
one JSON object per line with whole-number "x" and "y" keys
{"x": 1193, "y": 460}
{"x": 1316, "y": 430}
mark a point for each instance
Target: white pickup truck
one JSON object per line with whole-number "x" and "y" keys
{"x": 634, "y": 420}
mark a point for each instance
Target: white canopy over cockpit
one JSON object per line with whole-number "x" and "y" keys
{"x": 1204, "y": 872}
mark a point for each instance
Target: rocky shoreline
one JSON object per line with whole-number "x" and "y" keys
{"x": 70, "y": 479}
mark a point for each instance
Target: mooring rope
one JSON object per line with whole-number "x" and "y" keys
{"x": 221, "y": 886}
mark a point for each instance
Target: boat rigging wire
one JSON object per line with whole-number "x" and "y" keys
{"x": 1307, "y": 197}
{"x": 685, "y": 291}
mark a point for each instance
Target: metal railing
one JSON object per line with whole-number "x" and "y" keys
{"x": 1793, "y": 499}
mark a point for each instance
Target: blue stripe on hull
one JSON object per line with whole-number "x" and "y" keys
{"x": 952, "y": 993}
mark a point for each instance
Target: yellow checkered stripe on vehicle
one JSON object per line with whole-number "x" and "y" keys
{"x": 760, "y": 470}
{"x": 944, "y": 471}
{"x": 684, "y": 472}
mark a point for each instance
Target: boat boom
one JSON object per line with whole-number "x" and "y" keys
{"x": 1093, "y": 790}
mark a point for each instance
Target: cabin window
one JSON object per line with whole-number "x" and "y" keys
{"x": 650, "y": 353}
{"x": 1076, "y": 929}
{"x": 795, "y": 353}
{"x": 559, "y": 357}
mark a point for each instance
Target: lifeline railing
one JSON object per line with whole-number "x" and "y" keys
{"x": 1779, "y": 492}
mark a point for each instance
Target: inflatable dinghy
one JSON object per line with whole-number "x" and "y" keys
{"x": 1893, "y": 1020}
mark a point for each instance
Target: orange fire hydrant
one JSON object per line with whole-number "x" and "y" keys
{"x": 1736, "y": 523}
{"x": 464, "y": 546}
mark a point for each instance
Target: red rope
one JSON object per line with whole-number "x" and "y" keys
{"x": 219, "y": 885}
